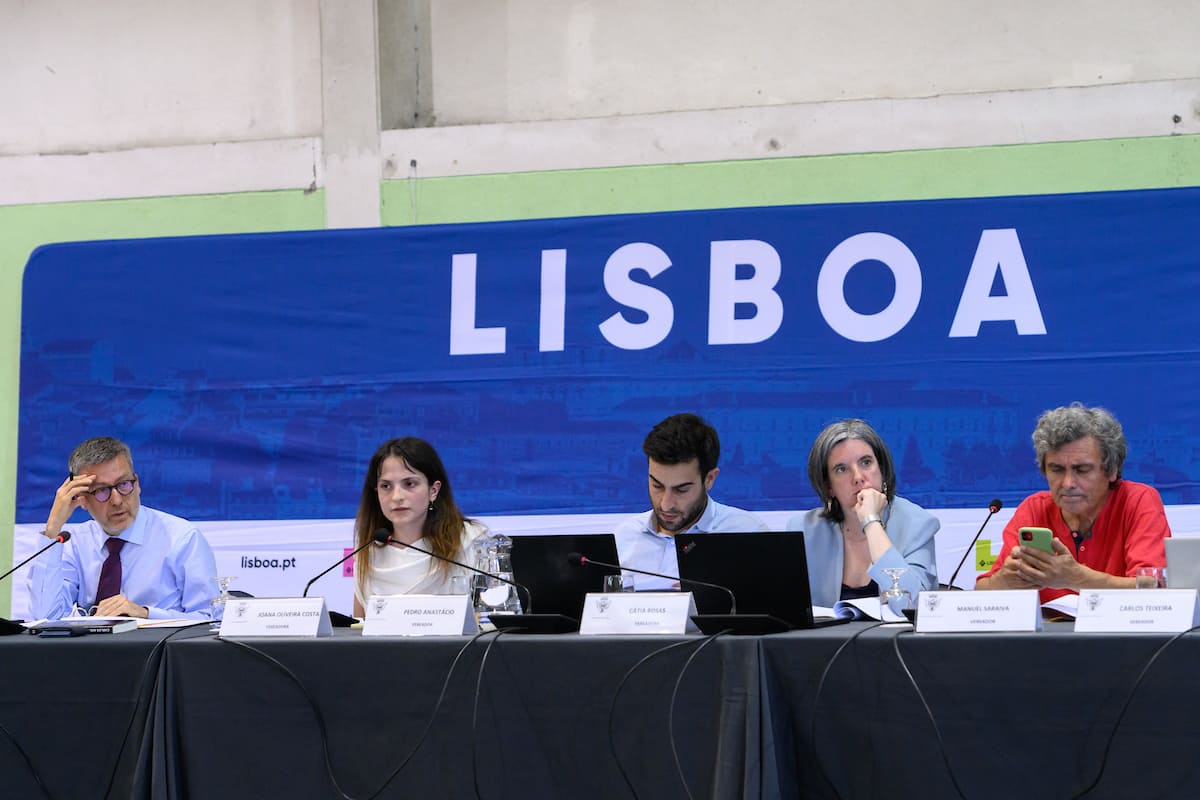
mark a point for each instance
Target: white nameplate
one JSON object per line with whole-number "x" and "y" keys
{"x": 419, "y": 615}
{"x": 637, "y": 612}
{"x": 967, "y": 612}
{"x": 1136, "y": 610}
{"x": 274, "y": 616}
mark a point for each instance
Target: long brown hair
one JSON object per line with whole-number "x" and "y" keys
{"x": 443, "y": 524}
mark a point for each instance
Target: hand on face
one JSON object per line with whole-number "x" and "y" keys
{"x": 870, "y": 502}
{"x": 114, "y": 515}
{"x": 69, "y": 496}
{"x": 855, "y": 479}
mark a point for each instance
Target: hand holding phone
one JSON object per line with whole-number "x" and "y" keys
{"x": 1037, "y": 538}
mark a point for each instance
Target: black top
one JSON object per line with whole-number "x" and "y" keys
{"x": 855, "y": 592}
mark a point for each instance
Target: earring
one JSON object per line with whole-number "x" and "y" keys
{"x": 885, "y": 487}
{"x": 431, "y": 505}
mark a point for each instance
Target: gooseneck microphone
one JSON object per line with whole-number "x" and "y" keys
{"x": 380, "y": 536}
{"x": 62, "y": 537}
{"x": 580, "y": 560}
{"x": 518, "y": 586}
{"x": 993, "y": 507}
{"x": 8, "y": 627}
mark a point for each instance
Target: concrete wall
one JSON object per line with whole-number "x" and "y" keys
{"x": 526, "y": 60}
{"x": 152, "y": 117}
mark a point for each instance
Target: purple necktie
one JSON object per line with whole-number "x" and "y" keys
{"x": 110, "y": 572}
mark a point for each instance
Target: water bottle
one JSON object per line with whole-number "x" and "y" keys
{"x": 494, "y": 554}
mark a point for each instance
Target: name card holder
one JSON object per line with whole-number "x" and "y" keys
{"x": 274, "y": 616}
{"x": 419, "y": 615}
{"x": 637, "y": 613}
{"x": 1010, "y": 610}
{"x": 1137, "y": 610}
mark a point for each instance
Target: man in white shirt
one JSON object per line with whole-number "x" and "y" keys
{"x": 682, "y": 453}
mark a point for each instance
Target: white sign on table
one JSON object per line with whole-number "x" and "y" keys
{"x": 1136, "y": 610}
{"x": 1011, "y": 610}
{"x": 637, "y": 613}
{"x": 419, "y": 615}
{"x": 275, "y": 616}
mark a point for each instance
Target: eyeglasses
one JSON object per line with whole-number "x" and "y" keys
{"x": 124, "y": 488}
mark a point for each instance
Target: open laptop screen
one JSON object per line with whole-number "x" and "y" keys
{"x": 1183, "y": 562}
{"x": 767, "y": 572}
{"x": 558, "y": 587}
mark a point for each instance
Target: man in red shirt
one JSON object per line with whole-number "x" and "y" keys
{"x": 1104, "y": 527}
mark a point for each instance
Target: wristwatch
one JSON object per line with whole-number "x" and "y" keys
{"x": 867, "y": 520}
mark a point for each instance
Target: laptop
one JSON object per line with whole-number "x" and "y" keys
{"x": 766, "y": 571}
{"x": 557, "y": 586}
{"x": 1183, "y": 562}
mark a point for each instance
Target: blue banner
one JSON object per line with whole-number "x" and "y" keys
{"x": 254, "y": 375}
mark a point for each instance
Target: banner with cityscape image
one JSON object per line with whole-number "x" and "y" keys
{"x": 254, "y": 375}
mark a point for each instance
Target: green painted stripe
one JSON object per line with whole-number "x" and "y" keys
{"x": 911, "y": 175}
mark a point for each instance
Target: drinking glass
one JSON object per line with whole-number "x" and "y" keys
{"x": 895, "y": 597}
{"x": 1150, "y": 578}
{"x": 618, "y": 583}
{"x": 218, "y": 602}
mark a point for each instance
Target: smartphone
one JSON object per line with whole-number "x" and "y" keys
{"x": 1037, "y": 538}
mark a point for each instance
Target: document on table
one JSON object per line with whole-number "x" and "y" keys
{"x": 859, "y": 608}
{"x": 1067, "y": 605}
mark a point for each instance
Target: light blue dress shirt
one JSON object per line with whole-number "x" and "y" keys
{"x": 911, "y": 529}
{"x": 641, "y": 546}
{"x": 166, "y": 566}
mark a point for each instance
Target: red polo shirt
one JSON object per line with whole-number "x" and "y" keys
{"x": 1128, "y": 533}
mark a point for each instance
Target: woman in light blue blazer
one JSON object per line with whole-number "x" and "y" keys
{"x": 862, "y": 528}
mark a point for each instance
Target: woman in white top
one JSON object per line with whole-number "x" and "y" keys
{"x": 407, "y": 493}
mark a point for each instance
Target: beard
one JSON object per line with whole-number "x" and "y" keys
{"x": 686, "y": 519}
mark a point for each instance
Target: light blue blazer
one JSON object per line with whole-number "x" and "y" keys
{"x": 911, "y": 529}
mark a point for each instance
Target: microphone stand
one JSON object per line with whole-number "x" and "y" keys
{"x": 62, "y": 537}
{"x": 7, "y": 626}
{"x": 380, "y": 536}
{"x": 993, "y": 508}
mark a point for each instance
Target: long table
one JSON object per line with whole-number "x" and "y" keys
{"x": 1029, "y": 715}
{"x": 522, "y": 716}
{"x": 1040, "y": 715}
{"x": 74, "y": 714}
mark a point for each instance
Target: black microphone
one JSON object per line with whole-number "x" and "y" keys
{"x": 62, "y": 537}
{"x": 380, "y": 536}
{"x": 518, "y": 586}
{"x": 8, "y": 627}
{"x": 993, "y": 507}
{"x": 579, "y": 560}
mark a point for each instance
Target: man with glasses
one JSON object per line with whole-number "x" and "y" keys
{"x": 129, "y": 560}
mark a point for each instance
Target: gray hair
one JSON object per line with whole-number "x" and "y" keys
{"x": 96, "y": 451}
{"x": 1061, "y": 426}
{"x": 818, "y": 462}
